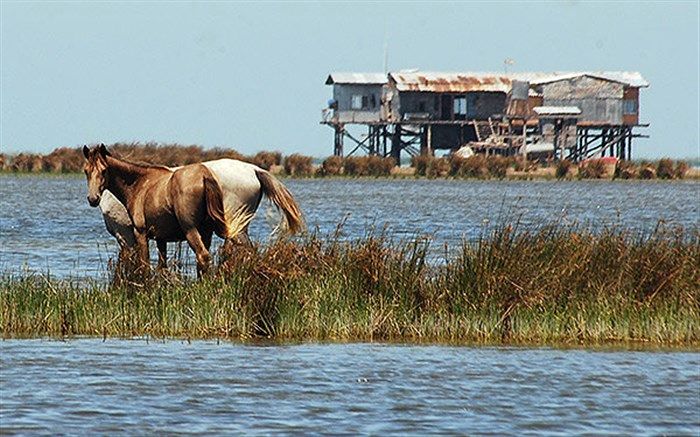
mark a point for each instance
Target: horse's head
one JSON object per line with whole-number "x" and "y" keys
{"x": 95, "y": 172}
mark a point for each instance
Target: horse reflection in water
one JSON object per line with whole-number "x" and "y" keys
{"x": 141, "y": 202}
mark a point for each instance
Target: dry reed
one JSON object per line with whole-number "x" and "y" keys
{"x": 70, "y": 160}
{"x": 549, "y": 286}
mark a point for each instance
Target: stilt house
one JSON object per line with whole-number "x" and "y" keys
{"x": 565, "y": 115}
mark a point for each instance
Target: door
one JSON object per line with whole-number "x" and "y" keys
{"x": 446, "y": 107}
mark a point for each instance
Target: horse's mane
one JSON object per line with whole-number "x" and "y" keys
{"x": 141, "y": 164}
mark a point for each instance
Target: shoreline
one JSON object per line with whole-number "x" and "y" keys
{"x": 478, "y": 166}
{"x": 692, "y": 176}
{"x": 603, "y": 347}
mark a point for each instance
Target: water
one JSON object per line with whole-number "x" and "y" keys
{"x": 87, "y": 386}
{"x": 47, "y": 225}
{"x": 131, "y": 387}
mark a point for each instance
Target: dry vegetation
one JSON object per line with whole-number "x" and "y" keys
{"x": 551, "y": 286}
{"x": 70, "y": 160}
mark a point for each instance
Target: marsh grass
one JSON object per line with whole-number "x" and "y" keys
{"x": 68, "y": 160}
{"x": 554, "y": 285}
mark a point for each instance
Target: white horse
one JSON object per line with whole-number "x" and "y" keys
{"x": 243, "y": 185}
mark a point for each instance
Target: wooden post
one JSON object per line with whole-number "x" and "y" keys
{"x": 338, "y": 141}
{"x": 423, "y": 140}
{"x": 629, "y": 145}
{"x": 557, "y": 132}
{"x": 603, "y": 140}
{"x": 396, "y": 144}
{"x": 430, "y": 139}
{"x": 622, "y": 144}
{"x": 385, "y": 134}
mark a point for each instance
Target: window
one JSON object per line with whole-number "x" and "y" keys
{"x": 629, "y": 106}
{"x": 356, "y": 101}
{"x": 421, "y": 106}
{"x": 460, "y": 105}
{"x": 363, "y": 102}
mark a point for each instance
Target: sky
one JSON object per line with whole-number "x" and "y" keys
{"x": 250, "y": 76}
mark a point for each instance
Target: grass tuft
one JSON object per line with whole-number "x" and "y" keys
{"x": 550, "y": 286}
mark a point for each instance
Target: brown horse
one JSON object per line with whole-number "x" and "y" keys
{"x": 165, "y": 204}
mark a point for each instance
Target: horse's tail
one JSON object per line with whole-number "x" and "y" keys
{"x": 227, "y": 223}
{"x": 283, "y": 199}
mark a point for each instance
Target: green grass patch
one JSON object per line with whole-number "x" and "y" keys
{"x": 552, "y": 286}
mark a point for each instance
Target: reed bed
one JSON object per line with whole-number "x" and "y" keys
{"x": 70, "y": 160}
{"x": 552, "y": 286}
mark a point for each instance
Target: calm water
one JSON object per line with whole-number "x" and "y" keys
{"x": 46, "y": 223}
{"x": 134, "y": 387}
{"x": 130, "y": 387}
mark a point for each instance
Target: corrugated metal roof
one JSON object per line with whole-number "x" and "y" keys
{"x": 478, "y": 81}
{"x": 451, "y": 82}
{"x": 357, "y": 78}
{"x": 629, "y": 78}
{"x": 557, "y": 110}
{"x": 500, "y": 82}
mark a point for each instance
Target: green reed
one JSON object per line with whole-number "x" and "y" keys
{"x": 553, "y": 285}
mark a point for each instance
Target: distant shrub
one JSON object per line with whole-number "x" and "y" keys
{"x": 356, "y": 166}
{"x": 27, "y": 162}
{"x": 592, "y": 169}
{"x": 647, "y": 170}
{"x": 70, "y": 160}
{"x": 681, "y": 169}
{"x": 298, "y": 165}
{"x": 472, "y": 167}
{"x": 563, "y": 168}
{"x": 520, "y": 163}
{"x": 267, "y": 159}
{"x": 626, "y": 170}
{"x": 332, "y": 166}
{"x": 498, "y": 165}
{"x": 378, "y": 166}
{"x": 438, "y": 168}
{"x": 420, "y": 163}
{"x": 171, "y": 155}
{"x": 664, "y": 169}
{"x": 64, "y": 159}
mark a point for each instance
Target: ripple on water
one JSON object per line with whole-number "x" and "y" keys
{"x": 126, "y": 387}
{"x": 64, "y": 235}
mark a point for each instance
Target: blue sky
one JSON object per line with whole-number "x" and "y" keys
{"x": 251, "y": 75}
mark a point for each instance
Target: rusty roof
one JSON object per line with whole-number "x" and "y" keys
{"x": 499, "y": 82}
{"x": 451, "y": 82}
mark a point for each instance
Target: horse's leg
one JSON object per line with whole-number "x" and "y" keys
{"x": 162, "y": 254}
{"x": 194, "y": 239}
{"x": 245, "y": 238}
{"x": 142, "y": 247}
{"x": 206, "y": 238}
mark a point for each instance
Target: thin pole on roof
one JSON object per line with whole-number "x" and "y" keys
{"x": 386, "y": 49}
{"x": 506, "y": 63}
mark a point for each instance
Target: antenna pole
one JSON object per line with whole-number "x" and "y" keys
{"x": 386, "y": 50}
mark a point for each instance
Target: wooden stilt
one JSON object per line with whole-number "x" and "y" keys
{"x": 338, "y": 141}
{"x": 396, "y": 144}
